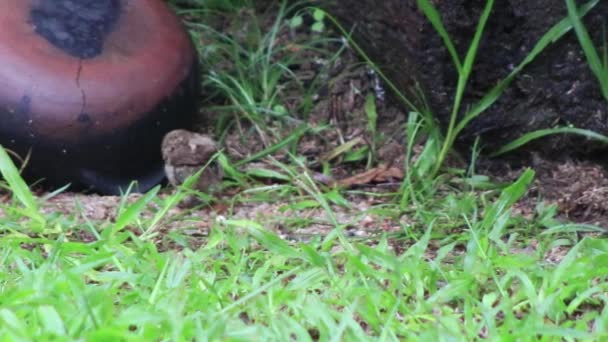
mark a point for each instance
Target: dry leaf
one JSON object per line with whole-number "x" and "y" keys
{"x": 379, "y": 174}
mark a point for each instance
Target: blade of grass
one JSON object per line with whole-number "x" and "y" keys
{"x": 293, "y": 137}
{"x": 372, "y": 122}
{"x": 593, "y": 59}
{"x": 434, "y": 17}
{"x": 133, "y": 211}
{"x": 526, "y": 138}
{"x": 463, "y": 77}
{"x": 20, "y": 190}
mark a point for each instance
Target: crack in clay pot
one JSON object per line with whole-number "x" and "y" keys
{"x": 82, "y": 117}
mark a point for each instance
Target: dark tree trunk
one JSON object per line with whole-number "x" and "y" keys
{"x": 558, "y": 88}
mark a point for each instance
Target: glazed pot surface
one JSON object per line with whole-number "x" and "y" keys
{"x": 99, "y": 97}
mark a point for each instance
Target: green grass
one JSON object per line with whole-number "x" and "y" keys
{"x": 252, "y": 73}
{"x": 245, "y": 283}
{"x": 459, "y": 263}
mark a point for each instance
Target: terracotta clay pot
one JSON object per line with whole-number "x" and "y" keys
{"x": 92, "y": 86}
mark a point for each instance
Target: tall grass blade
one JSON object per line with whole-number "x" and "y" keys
{"x": 463, "y": 77}
{"x": 292, "y": 138}
{"x": 133, "y": 211}
{"x": 593, "y": 59}
{"x": 434, "y": 17}
{"x": 526, "y": 138}
{"x": 20, "y": 189}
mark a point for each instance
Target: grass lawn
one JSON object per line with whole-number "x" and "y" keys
{"x": 298, "y": 242}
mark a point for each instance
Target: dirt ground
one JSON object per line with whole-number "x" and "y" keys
{"x": 578, "y": 188}
{"x": 556, "y": 89}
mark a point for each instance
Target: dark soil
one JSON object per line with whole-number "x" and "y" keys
{"x": 557, "y": 89}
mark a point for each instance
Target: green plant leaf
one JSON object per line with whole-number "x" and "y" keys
{"x": 318, "y": 27}
{"x": 133, "y": 211}
{"x": 463, "y": 77}
{"x": 372, "y": 113}
{"x": 296, "y": 21}
{"x": 435, "y": 18}
{"x": 318, "y": 14}
{"x": 20, "y": 190}
{"x": 526, "y": 138}
{"x": 593, "y": 59}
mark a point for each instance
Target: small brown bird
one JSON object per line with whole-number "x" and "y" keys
{"x": 185, "y": 153}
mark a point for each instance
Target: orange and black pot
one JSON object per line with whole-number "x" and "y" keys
{"x": 90, "y": 87}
